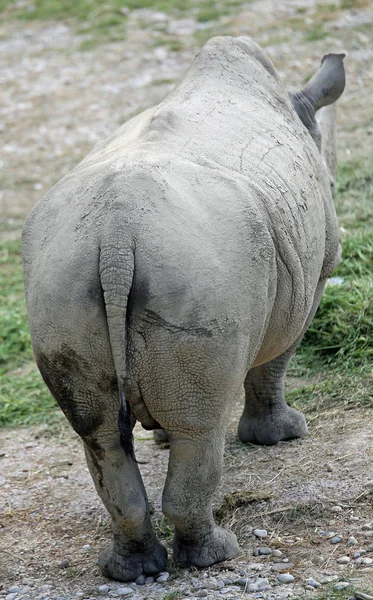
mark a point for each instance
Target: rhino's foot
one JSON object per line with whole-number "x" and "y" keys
{"x": 272, "y": 428}
{"x": 220, "y": 545}
{"x": 160, "y": 436}
{"x": 128, "y": 567}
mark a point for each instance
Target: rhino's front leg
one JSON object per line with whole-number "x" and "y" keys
{"x": 194, "y": 472}
{"x": 135, "y": 549}
{"x": 266, "y": 418}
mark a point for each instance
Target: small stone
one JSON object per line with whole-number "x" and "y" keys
{"x": 14, "y": 589}
{"x": 313, "y": 583}
{"x": 262, "y": 582}
{"x": 149, "y": 580}
{"x": 352, "y": 541}
{"x": 264, "y": 551}
{"x": 354, "y": 518}
{"x": 124, "y": 591}
{"x": 367, "y": 561}
{"x": 202, "y": 594}
{"x": 356, "y": 555}
{"x": 64, "y": 564}
{"x": 335, "y": 540}
{"x": 336, "y": 508}
{"x": 162, "y": 577}
{"x": 367, "y": 527}
{"x": 140, "y": 580}
{"x": 276, "y": 553}
{"x": 285, "y": 578}
{"x": 11, "y": 596}
{"x": 227, "y": 581}
{"x": 252, "y": 587}
{"x": 343, "y": 560}
{"x": 309, "y": 588}
{"x": 341, "y": 585}
{"x": 86, "y": 547}
{"x": 260, "y": 533}
{"x": 104, "y": 589}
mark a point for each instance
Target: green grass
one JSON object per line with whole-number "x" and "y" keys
{"x": 330, "y": 593}
{"x": 338, "y": 344}
{"x": 101, "y": 21}
{"x": 24, "y": 398}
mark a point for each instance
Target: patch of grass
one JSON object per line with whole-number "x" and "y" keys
{"x": 314, "y": 33}
{"x": 238, "y": 499}
{"x": 24, "y": 398}
{"x": 340, "y": 334}
{"x": 330, "y": 593}
{"x": 172, "y": 596}
{"x": 15, "y": 342}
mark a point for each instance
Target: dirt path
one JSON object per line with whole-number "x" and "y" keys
{"x": 57, "y": 102}
{"x": 51, "y": 512}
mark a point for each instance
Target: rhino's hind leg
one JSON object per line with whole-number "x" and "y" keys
{"x": 135, "y": 549}
{"x": 267, "y": 418}
{"x": 91, "y": 405}
{"x": 194, "y": 472}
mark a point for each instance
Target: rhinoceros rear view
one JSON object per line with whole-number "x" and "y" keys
{"x": 183, "y": 258}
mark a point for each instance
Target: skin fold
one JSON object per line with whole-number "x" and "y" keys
{"x": 181, "y": 260}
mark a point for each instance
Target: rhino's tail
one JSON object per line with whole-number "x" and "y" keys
{"x": 116, "y": 268}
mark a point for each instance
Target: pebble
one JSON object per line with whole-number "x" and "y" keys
{"x": 149, "y": 580}
{"x": 336, "y": 508}
{"x": 341, "y": 585}
{"x": 263, "y": 551}
{"x": 352, "y": 541}
{"x": 335, "y": 540}
{"x": 86, "y": 547}
{"x": 163, "y": 577}
{"x": 124, "y": 591}
{"x": 367, "y": 527}
{"x": 356, "y": 555}
{"x": 11, "y": 596}
{"x": 64, "y": 564}
{"x": 202, "y": 594}
{"x": 276, "y": 553}
{"x": 313, "y": 583}
{"x": 260, "y": 533}
{"x": 140, "y": 580}
{"x": 252, "y": 587}
{"x": 285, "y": 578}
{"x": 343, "y": 560}
{"x": 354, "y": 518}
{"x": 104, "y": 589}
{"x": 14, "y": 589}
{"x": 367, "y": 561}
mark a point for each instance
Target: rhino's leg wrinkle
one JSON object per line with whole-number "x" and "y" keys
{"x": 193, "y": 474}
{"x": 135, "y": 549}
{"x": 266, "y": 418}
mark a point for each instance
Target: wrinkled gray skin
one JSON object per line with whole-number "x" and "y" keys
{"x": 181, "y": 260}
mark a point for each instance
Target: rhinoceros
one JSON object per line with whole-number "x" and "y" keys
{"x": 179, "y": 263}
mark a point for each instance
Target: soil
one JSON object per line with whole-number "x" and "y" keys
{"x": 57, "y": 102}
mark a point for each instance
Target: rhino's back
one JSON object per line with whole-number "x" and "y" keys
{"x": 222, "y": 190}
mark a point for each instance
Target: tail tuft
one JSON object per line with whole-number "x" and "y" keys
{"x": 125, "y": 428}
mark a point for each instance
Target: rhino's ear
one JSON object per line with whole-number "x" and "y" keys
{"x": 324, "y": 88}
